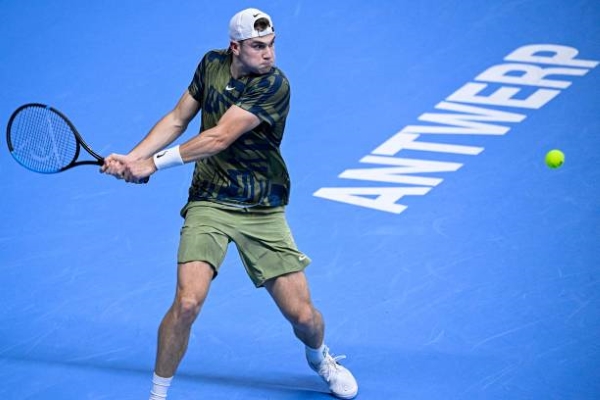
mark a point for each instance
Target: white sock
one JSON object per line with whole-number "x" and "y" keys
{"x": 160, "y": 386}
{"x": 316, "y": 356}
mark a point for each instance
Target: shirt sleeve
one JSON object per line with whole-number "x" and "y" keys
{"x": 267, "y": 97}
{"x": 196, "y": 87}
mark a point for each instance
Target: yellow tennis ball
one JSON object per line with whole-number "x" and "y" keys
{"x": 555, "y": 158}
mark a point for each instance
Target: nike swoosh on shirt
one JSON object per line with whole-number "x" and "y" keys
{"x": 229, "y": 88}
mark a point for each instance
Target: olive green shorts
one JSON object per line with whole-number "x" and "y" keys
{"x": 261, "y": 235}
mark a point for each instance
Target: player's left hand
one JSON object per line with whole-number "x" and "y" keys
{"x": 129, "y": 169}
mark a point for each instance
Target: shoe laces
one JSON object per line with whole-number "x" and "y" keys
{"x": 330, "y": 366}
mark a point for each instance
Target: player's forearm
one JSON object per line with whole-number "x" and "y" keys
{"x": 233, "y": 124}
{"x": 165, "y": 132}
{"x": 209, "y": 143}
{"x": 202, "y": 146}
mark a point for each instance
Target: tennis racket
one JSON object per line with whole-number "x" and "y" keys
{"x": 43, "y": 140}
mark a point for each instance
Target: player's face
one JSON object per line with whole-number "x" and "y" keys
{"x": 257, "y": 55}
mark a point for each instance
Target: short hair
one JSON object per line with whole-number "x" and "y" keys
{"x": 261, "y": 24}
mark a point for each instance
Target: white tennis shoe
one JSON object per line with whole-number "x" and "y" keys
{"x": 340, "y": 380}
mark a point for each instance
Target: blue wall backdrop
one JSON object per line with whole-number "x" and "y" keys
{"x": 484, "y": 283}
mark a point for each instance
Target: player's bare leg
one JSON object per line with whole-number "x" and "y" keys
{"x": 292, "y": 296}
{"x": 193, "y": 283}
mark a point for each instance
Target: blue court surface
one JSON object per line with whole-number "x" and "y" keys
{"x": 448, "y": 260}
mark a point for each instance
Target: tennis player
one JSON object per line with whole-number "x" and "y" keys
{"x": 238, "y": 194}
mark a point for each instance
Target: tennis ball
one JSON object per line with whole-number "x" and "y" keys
{"x": 555, "y": 158}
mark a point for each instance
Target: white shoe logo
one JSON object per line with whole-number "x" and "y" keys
{"x": 228, "y": 88}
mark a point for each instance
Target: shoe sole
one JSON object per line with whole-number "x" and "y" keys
{"x": 346, "y": 397}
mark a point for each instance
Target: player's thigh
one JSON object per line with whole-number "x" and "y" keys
{"x": 193, "y": 282}
{"x": 291, "y": 294}
{"x": 266, "y": 246}
{"x": 202, "y": 237}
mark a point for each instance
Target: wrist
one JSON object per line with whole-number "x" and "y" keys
{"x": 167, "y": 158}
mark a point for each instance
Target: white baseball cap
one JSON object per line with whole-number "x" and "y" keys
{"x": 241, "y": 26}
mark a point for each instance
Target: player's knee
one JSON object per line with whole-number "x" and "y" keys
{"x": 187, "y": 308}
{"x": 305, "y": 316}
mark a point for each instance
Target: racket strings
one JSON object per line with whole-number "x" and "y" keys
{"x": 42, "y": 140}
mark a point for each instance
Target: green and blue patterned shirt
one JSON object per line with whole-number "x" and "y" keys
{"x": 251, "y": 171}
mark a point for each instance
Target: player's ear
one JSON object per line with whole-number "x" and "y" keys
{"x": 234, "y": 46}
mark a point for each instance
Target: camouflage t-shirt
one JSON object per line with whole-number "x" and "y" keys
{"x": 251, "y": 171}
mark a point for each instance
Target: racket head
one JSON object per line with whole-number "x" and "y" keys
{"x": 42, "y": 139}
